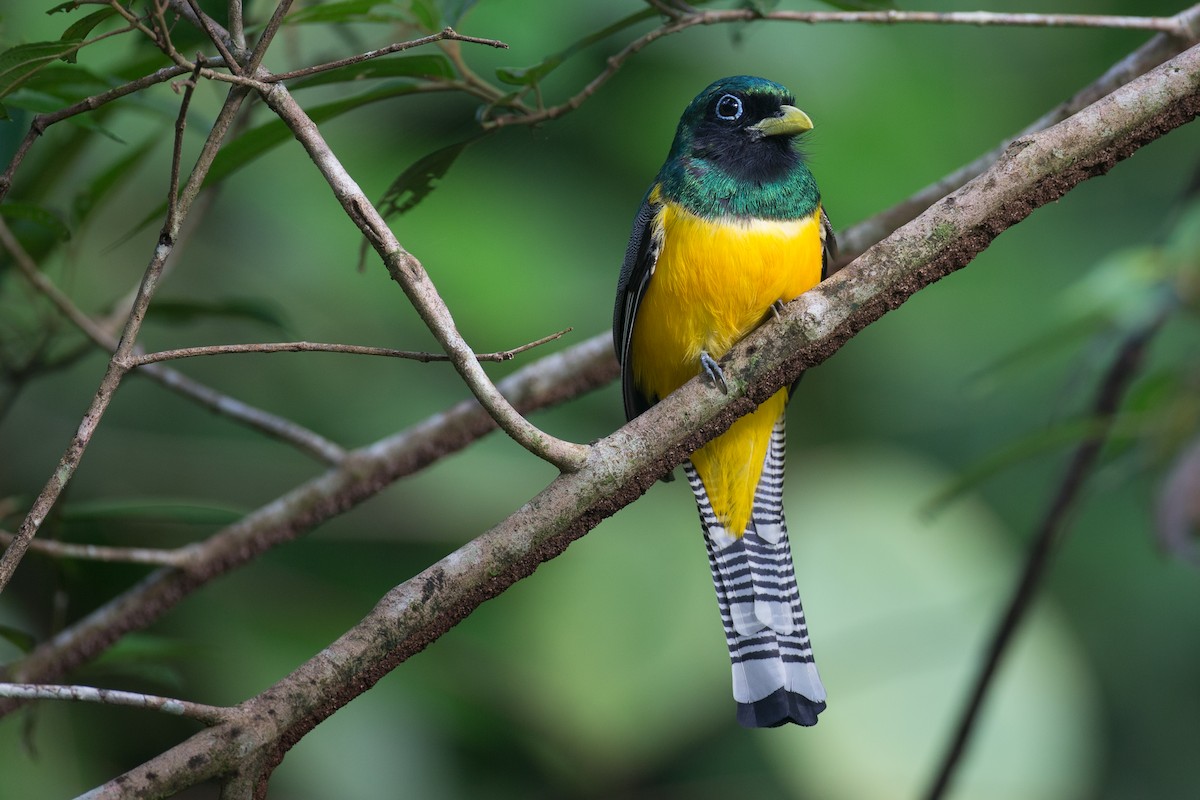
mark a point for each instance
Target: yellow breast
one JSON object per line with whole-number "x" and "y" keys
{"x": 714, "y": 282}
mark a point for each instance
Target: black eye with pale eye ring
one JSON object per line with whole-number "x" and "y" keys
{"x": 729, "y": 107}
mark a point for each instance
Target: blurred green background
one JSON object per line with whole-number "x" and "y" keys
{"x": 604, "y": 674}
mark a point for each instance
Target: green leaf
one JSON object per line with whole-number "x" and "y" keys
{"x": 861, "y": 5}
{"x": 18, "y": 638}
{"x": 151, "y": 510}
{"x": 80, "y": 29}
{"x": 1065, "y": 434}
{"x": 182, "y": 312}
{"x": 254, "y": 143}
{"x": 527, "y": 76}
{"x": 415, "y": 183}
{"x": 41, "y": 103}
{"x": 454, "y": 10}
{"x": 38, "y": 215}
{"x": 345, "y": 11}
{"x": 116, "y": 174}
{"x": 18, "y": 64}
{"x": 420, "y": 66}
{"x": 427, "y": 15}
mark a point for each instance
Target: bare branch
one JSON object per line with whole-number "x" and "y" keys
{"x": 218, "y": 37}
{"x": 118, "y": 365}
{"x": 95, "y": 552}
{"x": 1051, "y": 530}
{"x": 270, "y": 424}
{"x": 209, "y": 715}
{"x": 408, "y": 271}
{"x": 322, "y": 347}
{"x": 361, "y": 474}
{"x": 43, "y": 121}
{"x": 1181, "y": 26}
{"x": 177, "y": 151}
{"x": 268, "y": 36}
{"x": 237, "y": 30}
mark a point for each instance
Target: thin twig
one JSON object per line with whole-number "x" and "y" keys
{"x": 408, "y": 271}
{"x": 268, "y": 36}
{"x": 177, "y": 150}
{"x": 1051, "y": 530}
{"x": 1169, "y": 25}
{"x": 272, "y": 425}
{"x": 217, "y": 38}
{"x": 361, "y": 475}
{"x": 209, "y": 715}
{"x": 96, "y": 552}
{"x": 446, "y": 34}
{"x": 237, "y": 26}
{"x": 118, "y": 364}
{"x": 323, "y": 347}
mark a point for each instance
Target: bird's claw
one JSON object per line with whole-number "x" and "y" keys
{"x": 714, "y": 372}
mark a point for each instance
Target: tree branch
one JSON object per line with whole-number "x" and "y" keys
{"x": 323, "y": 347}
{"x": 408, "y": 271}
{"x": 1182, "y": 26}
{"x": 360, "y": 475}
{"x": 1035, "y": 170}
{"x": 447, "y": 34}
{"x": 118, "y": 365}
{"x": 209, "y": 715}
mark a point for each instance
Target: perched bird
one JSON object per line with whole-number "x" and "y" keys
{"x": 731, "y": 228}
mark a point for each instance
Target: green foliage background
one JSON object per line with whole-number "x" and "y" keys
{"x": 604, "y": 673}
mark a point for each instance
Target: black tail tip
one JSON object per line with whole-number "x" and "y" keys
{"x": 779, "y": 708}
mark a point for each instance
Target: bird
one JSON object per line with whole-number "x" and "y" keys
{"x": 731, "y": 228}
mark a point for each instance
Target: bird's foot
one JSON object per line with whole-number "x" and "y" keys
{"x": 777, "y": 309}
{"x": 714, "y": 372}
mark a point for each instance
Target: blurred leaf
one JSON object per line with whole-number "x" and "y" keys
{"x": 1177, "y": 512}
{"x": 1052, "y": 438}
{"x": 143, "y": 658}
{"x": 419, "y": 66}
{"x": 42, "y": 217}
{"x": 527, "y": 76}
{"x": 427, "y": 14}
{"x": 343, "y": 12}
{"x": 41, "y": 103}
{"x": 18, "y": 64}
{"x": 151, "y": 510}
{"x": 758, "y": 6}
{"x": 455, "y": 10}
{"x": 415, "y": 183}
{"x": 861, "y": 5}
{"x": 189, "y": 311}
{"x": 17, "y": 638}
{"x": 80, "y": 29}
{"x": 110, "y": 178}
{"x": 254, "y": 143}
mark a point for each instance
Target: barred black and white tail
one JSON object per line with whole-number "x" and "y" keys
{"x": 775, "y": 680}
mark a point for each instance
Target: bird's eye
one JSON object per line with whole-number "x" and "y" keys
{"x": 729, "y": 107}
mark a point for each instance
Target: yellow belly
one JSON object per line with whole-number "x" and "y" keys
{"x": 713, "y": 283}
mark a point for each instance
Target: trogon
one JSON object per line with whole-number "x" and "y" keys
{"x": 731, "y": 228}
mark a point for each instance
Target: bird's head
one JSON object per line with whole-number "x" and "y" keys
{"x": 742, "y": 126}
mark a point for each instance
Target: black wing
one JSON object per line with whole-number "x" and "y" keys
{"x": 829, "y": 250}
{"x": 640, "y": 257}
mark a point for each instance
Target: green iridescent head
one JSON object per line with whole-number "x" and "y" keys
{"x": 734, "y": 153}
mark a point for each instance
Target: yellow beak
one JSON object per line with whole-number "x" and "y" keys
{"x": 790, "y": 121}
